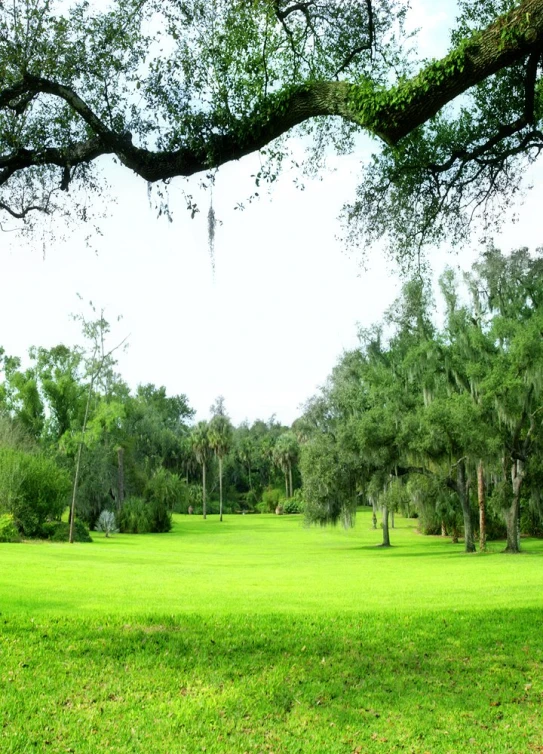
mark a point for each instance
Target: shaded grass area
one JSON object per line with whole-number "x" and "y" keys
{"x": 470, "y": 681}
{"x": 261, "y": 636}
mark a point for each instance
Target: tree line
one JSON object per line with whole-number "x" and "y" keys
{"x": 73, "y": 435}
{"x": 441, "y": 421}
{"x": 434, "y": 417}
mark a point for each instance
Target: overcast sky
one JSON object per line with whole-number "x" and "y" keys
{"x": 266, "y": 326}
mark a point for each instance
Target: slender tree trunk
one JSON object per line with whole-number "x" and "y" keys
{"x": 482, "y": 506}
{"x": 250, "y": 480}
{"x": 512, "y": 514}
{"x": 386, "y": 535}
{"x": 74, "y": 493}
{"x": 443, "y": 529}
{"x": 120, "y": 467}
{"x": 374, "y": 514}
{"x": 220, "y": 488}
{"x": 392, "y": 519}
{"x": 290, "y": 477}
{"x": 78, "y": 462}
{"x": 463, "y": 494}
{"x": 204, "y": 490}
{"x": 286, "y": 484}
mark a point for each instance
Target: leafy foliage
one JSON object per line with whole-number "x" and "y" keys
{"x": 8, "y": 530}
{"x": 173, "y": 89}
{"x": 106, "y": 523}
{"x": 32, "y": 489}
{"x": 59, "y": 531}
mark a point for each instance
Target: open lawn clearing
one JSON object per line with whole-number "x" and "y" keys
{"x": 263, "y": 636}
{"x": 256, "y": 564}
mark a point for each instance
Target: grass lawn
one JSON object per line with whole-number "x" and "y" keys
{"x": 258, "y": 635}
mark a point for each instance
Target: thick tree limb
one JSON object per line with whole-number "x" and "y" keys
{"x": 390, "y": 114}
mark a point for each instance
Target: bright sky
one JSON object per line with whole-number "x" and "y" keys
{"x": 264, "y": 329}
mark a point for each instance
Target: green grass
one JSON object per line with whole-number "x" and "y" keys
{"x": 258, "y": 635}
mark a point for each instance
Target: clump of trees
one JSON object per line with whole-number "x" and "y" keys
{"x": 442, "y": 421}
{"x": 73, "y": 435}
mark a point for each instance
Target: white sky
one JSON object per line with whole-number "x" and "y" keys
{"x": 267, "y": 327}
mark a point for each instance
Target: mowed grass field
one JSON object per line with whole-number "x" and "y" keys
{"x": 259, "y": 635}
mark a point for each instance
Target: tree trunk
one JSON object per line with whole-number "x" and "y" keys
{"x": 443, "y": 529}
{"x": 386, "y": 536}
{"x": 482, "y": 506}
{"x": 512, "y": 514}
{"x": 204, "y": 490}
{"x": 374, "y": 514}
{"x": 78, "y": 462}
{"x": 392, "y": 519}
{"x": 463, "y": 494}
{"x": 74, "y": 493}
{"x": 220, "y": 488}
{"x": 120, "y": 468}
{"x": 290, "y": 478}
{"x": 286, "y": 484}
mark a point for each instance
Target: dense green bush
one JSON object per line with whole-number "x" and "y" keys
{"x": 271, "y": 498}
{"x": 59, "y": 531}
{"x": 134, "y": 517}
{"x": 160, "y": 516}
{"x": 139, "y": 516}
{"x": 32, "y": 488}
{"x": 166, "y": 488}
{"x": 8, "y": 530}
{"x": 251, "y": 501}
{"x": 294, "y": 504}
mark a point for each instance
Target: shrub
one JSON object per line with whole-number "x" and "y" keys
{"x": 160, "y": 517}
{"x": 271, "y": 497}
{"x": 295, "y": 504}
{"x": 59, "y": 531}
{"x": 8, "y": 530}
{"x": 106, "y": 523}
{"x": 251, "y": 501}
{"x": 134, "y": 517}
{"x": 292, "y": 505}
{"x": 32, "y": 488}
{"x": 139, "y": 516}
{"x": 166, "y": 488}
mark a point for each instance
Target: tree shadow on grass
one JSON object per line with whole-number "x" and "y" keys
{"x": 383, "y": 682}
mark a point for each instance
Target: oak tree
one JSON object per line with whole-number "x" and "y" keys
{"x": 171, "y": 88}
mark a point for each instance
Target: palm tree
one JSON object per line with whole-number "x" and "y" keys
{"x": 285, "y": 454}
{"x": 220, "y": 440}
{"x": 201, "y": 449}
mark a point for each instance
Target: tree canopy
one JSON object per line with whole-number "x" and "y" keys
{"x": 178, "y": 87}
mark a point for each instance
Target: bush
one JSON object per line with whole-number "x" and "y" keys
{"x": 160, "y": 517}
{"x": 271, "y": 498}
{"x": 32, "y": 488}
{"x": 59, "y": 531}
{"x": 106, "y": 523}
{"x": 292, "y": 506}
{"x": 134, "y": 517}
{"x": 139, "y": 516}
{"x": 251, "y": 501}
{"x": 8, "y": 530}
{"x": 167, "y": 489}
{"x": 295, "y": 504}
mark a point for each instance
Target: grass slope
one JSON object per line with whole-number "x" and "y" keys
{"x": 258, "y": 635}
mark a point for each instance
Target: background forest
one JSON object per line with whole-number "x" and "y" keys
{"x": 440, "y": 422}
